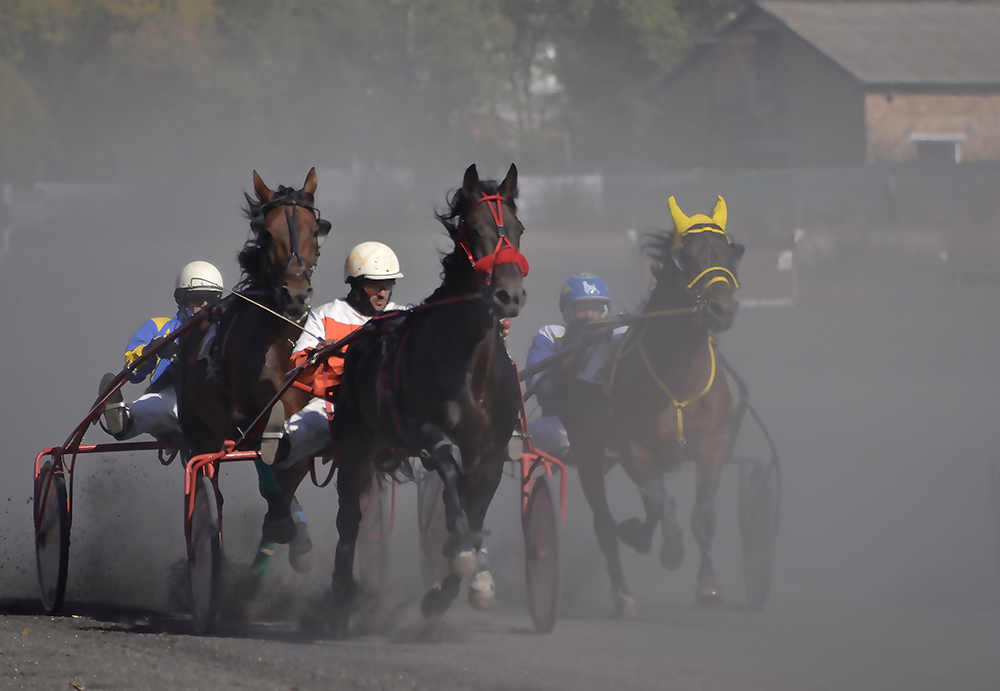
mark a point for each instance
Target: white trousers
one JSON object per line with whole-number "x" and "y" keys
{"x": 308, "y": 431}
{"x": 155, "y": 414}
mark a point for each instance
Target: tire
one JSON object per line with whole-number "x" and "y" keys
{"x": 205, "y": 556}
{"x": 543, "y": 552}
{"x": 371, "y": 561}
{"x": 51, "y": 536}
{"x": 758, "y": 508}
{"x": 433, "y": 530}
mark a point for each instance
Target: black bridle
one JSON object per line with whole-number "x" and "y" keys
{"x": 306, "y": 268}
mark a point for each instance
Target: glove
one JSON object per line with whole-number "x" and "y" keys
{"x": 169, "y": 350}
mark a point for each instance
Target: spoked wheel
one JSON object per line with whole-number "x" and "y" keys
{"x": 205, "y": 556}
{"x": 51, "y": 536}
{"x": 542, "y": 538}
{"x": 371, "y": 563}
{"x": 433, "y": 530}
{"x": 758, "y": 507}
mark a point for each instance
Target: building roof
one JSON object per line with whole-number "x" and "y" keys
{"x": 941, "y": 43}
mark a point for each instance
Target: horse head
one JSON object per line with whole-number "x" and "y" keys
{"x": 482, "y": 220}
{"x": 707, "y": 258}
{"x": 279, "y": 260}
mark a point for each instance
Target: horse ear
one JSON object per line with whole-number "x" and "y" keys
{"x": 264, "y": 193}
{"x": 681, "y": 221}
{"x": 720, "y": 214}
{"x": 508, "y": 188}
{"x": 309, "y": 186}
{"x": 470, "y": 183}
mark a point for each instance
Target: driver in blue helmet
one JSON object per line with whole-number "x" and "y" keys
{"x": 584, "y": 297}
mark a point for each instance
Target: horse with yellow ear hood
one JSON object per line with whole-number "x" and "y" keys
{"x": 709, "y": 269}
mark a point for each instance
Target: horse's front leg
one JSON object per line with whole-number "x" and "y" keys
{"x": 460, "y": 547}
{"x": 659, "y": 506}
{"x": 590, "y": 466}
{"x": 709, "y": 469}
{"x": 477, "y": 488}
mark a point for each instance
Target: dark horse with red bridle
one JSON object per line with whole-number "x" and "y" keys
{"x": 664, "y": 399}
{"x": 438, "y": 384}
{"x": 223, "y": 388}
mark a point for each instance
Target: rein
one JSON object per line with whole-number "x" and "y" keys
{"x": 337, "y": 346}
{"x": 279, "y": 316}
{"x": 503, "y": 253}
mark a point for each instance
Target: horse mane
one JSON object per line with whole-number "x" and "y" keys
{"x": 656, "y": 246}
{"x": 458, "y": 277}
{"x": 253, "y": 258}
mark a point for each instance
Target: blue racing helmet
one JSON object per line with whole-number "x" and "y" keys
{"x": 584, "y": 287}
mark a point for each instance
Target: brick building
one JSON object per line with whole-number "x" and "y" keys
{"x": 811, "y": 84}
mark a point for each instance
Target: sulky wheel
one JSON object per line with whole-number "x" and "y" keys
{"x": 51, "y": 536}
{"x": 204, "y": 556}
{"x": 433, "y": 530}
{"x": 371, "y": 563}
{"x": 758, "y": 508}
{"x": 542, "y": 537}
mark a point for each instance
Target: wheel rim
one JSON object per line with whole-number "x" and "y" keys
{"x": 204, "y": 561}
{"x": 758, "y": 536}
{"x": 51, "y": 537}
{"x": 542, "y": 555}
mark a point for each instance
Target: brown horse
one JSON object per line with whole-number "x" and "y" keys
{"x": 437, "y": 383}
{"x": 664, "y": 400}
{"x": 219, "y": 396}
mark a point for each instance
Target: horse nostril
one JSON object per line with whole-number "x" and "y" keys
{"x": 717, "y": 309}
{"x": 502, "y": 297}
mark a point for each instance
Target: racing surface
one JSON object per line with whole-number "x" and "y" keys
{"x": 879, "y": 386}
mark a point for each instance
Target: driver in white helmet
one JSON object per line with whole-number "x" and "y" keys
{"x": 371, "y": 271}
{"x": 199, "y": 284}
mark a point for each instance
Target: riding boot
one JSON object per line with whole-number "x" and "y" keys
{"x": 116, "y": 417}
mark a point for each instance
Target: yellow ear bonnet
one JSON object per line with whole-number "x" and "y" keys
{"x": 699, "y": 223}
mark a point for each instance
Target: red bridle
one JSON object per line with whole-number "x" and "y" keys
{"x": 503, "y": 253}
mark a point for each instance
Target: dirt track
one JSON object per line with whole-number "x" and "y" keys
{"x": 882, "y": 395}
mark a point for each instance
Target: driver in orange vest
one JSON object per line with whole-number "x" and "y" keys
{"x": 371, "y": 271}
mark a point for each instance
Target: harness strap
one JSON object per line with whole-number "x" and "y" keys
{"x": 679, "y": 405}
{"x": 504, "y": 252}
{"x": 730, "y": 277}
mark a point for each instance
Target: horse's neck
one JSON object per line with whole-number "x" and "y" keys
{"x": 676, "y": 337}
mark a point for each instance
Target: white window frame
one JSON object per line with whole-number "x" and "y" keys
{"x": 955, "y": 138}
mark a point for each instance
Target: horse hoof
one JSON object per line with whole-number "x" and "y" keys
{"x": 708, "y": 595}
{"x": 464, "y": 564}
{"x": 430, "y": 603}
{"x": 632, "y": 532}
{"x": 301, "y": 563}
{"x": 625, "y": 606}
{"x": 482, "y": 591}
{"x": 278, "y": 529}
{"x": 672, "y": 552}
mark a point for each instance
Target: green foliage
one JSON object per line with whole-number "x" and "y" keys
{"x": 105, "y": 89}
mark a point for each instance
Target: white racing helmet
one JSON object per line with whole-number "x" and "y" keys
{"x": 198, "y": 276}
{"x": 371, "y": 260}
